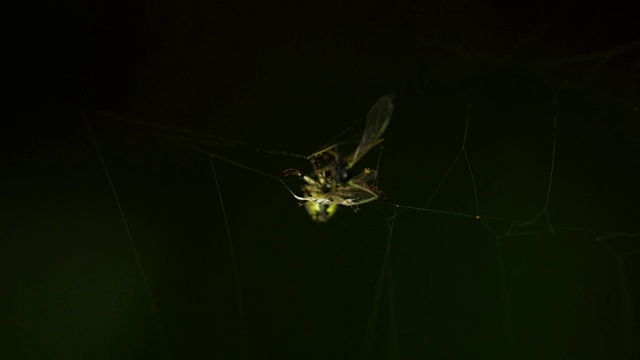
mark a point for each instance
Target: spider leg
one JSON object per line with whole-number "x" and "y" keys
{"x": 323, "y": 156}
{"x": 378, "y": 192}
{"x": 290, "y": 172}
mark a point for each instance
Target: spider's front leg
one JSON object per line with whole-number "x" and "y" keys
{"x": 378, "y": 192}
{"x": 323, "y": 156}
{"x": 291, "y": 172}
{"x": 370, "y": 175}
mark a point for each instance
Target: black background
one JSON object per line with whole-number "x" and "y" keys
{"x": 289, "y": 79}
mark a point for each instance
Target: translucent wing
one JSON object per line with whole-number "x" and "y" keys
{"x": 365, "y": 177}
{"x": 377, "y": 120}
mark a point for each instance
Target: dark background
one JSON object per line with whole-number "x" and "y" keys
{"x": 289, "y": 79}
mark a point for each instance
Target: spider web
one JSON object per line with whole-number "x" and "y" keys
{"x": 511, "y": 229}
{"x": 485, "y": 233}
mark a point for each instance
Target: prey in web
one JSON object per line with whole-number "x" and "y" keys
{"x": 332, "y": 182}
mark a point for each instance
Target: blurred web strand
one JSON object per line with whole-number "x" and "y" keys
{"x": 235, "y": 163}
{"x": 462, "y": 151}
{"x": 548, "y": 227}
{"x": 181, "y": 135}
{"x": 506, "y": 301}
{"x": 185, "y": 134}
{"x": 629, "y": 338}
{"x": 244, "y": 334}
{"x": 514, "y": 224}
{"x": 545, "y": 210}
{"x": 385, "y": 277}
{"x": 160, "y": 333}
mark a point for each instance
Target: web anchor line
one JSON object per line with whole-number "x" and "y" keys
{"x": 546, "y": 225}
{"x": 240, "y": 310}
{"x": 159, "y": 328}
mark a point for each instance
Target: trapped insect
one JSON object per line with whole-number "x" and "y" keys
{"x": 332, "y": 182}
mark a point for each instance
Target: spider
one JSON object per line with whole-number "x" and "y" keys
{"x": 332, "y": 182}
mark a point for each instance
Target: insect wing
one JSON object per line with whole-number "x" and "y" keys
{"x": 377, "y": 120}
{"x": 366, "y": 176}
